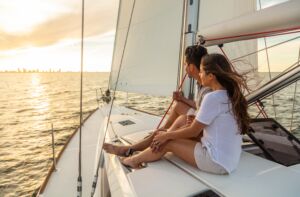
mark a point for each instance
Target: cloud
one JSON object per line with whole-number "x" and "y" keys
{"x": 99, "y": 18}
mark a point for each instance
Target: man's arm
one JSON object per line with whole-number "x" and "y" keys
{"x": 189, "y": 102}
{"x": 178, "y": 96}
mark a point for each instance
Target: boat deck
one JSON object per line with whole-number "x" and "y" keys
{"x": 170, "y": 176}
{"x": 255, "y": 176}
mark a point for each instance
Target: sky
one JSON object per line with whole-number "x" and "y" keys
{"x": 282, "y": 56}
{"x": 46, "y": 34}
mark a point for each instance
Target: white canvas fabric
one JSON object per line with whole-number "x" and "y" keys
{"x": 152, "y": 53}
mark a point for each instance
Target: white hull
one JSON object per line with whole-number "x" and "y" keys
{"x": 170, "y": 176}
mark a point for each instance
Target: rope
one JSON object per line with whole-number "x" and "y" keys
{"x": 261, "y": 110}
{"x": 293, "y": 108}
{"x": 79, "y": 179}
{"x": 179, "y": 88}
{"x": 294, "y": 100}
{"x": 276, "y": 33}
{"x": 112, "y": 102}
{"x": 269, "y": 69}
{"x": 115, "y": 42}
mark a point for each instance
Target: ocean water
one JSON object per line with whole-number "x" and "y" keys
{"x": 31, "y": 102}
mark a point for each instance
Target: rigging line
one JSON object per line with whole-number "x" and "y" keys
{"x": 179, "y": 88}
{"x": 79, "y": 179}
{"x": 294, "y": 100}
{"x": 265, "y": 48}
{"x": 293, "y": 108}
{"x": 276, "y": 33}
{"x": 182, "y": 37}
{"x": 112, "y": 102}
{"x": 247, "y": 89}
{"x": 291, "y": 67}
{"x": 115, "y": 43}
{"x": 269, "y": 69}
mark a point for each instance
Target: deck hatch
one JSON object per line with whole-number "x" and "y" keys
{"x": 207, "y": 193}
{"x": 126, "y": 122}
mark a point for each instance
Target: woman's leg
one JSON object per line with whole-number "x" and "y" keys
{"x": 180, "y": 108}
{"x": 182, "y": 148}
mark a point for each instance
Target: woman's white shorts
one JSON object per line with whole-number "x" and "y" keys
{"x": 204, "y": 161}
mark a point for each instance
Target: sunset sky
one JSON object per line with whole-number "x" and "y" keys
{"x": 45, "y": 35}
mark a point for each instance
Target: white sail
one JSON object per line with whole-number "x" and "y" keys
{"x": 152, "y": 52}
{"x": 224, "y": 11}
{"x": 264, "y": 22}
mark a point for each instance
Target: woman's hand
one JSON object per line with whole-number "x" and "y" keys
{"x": 159, "y": 140}
{"x": 190, "y": 119}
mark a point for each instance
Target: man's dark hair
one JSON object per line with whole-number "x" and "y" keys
{"x": 194, "y": 54}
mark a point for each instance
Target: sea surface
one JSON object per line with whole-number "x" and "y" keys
{"x": 31, "y": 102}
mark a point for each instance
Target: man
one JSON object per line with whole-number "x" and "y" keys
{"x": 184, "y": 109}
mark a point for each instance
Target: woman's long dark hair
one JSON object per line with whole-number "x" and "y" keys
{"x": 234, "y": 83}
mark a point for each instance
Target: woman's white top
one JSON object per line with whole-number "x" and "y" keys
{"x": 221, "y": 136}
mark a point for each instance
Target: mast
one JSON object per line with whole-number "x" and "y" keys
{"x": 189, "y": 37}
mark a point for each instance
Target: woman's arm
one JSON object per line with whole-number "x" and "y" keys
{"x": 192, "y": 131}
{"x": 189, "y": 132}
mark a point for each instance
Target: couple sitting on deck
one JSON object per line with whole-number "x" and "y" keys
{"x": 212, "y": 140}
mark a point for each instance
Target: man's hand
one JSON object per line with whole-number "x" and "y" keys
{"x": 177, "y": 96}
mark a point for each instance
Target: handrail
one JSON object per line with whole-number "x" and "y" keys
{"x": 275, "y": 85}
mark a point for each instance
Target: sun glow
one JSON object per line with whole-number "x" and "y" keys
{"x": 63, "y": 56}
{"x": 19, "y": 16}
{"x": 44, "y": 35}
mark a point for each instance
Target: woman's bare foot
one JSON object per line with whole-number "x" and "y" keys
{"x": 116, "y": 150}
{"x": 130, "y": 162}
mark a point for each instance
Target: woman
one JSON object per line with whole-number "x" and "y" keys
{"x": 222, "y": 118}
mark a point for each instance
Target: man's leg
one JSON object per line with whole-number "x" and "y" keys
{"x": 144, "y": 143}
{"x": 121, "y": 150}
{"x": 178, "y": 123}
{"x": 179, "y": 108}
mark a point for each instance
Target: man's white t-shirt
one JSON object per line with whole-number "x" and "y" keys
{"x": 221, "y": 136}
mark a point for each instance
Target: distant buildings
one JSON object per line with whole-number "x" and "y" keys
{"x": 24, "y": 70}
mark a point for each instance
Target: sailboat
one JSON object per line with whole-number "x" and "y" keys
{"x": 148, "y": 57}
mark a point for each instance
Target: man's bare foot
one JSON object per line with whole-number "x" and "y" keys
{"x": 114, "y": 149}
{"x": 130, "y": 162}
